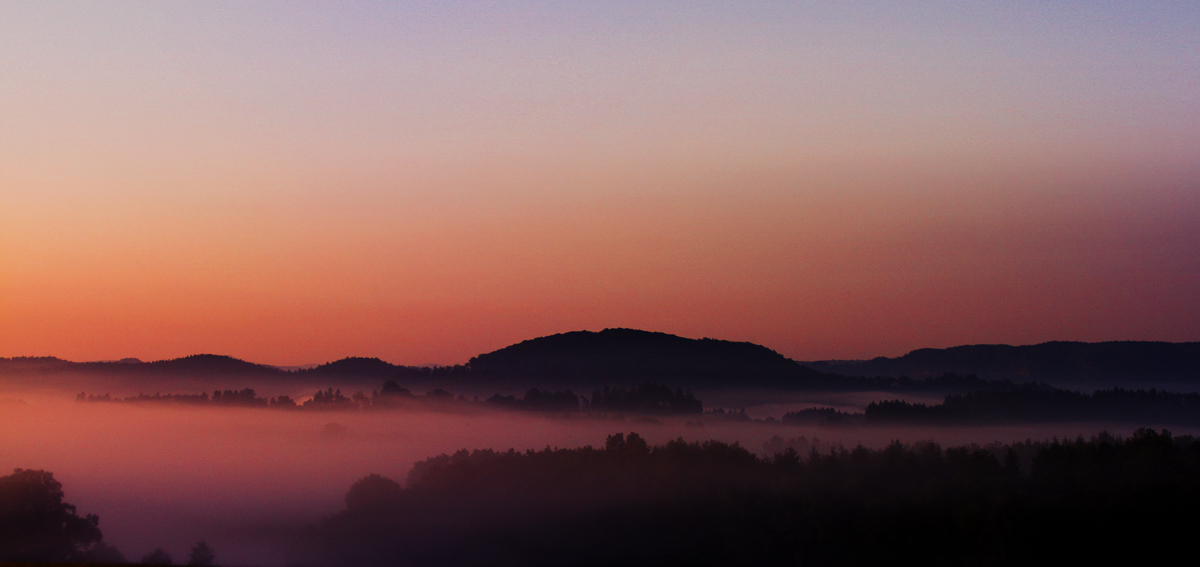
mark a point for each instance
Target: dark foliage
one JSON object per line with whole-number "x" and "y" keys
{"x": 727, "y": 415}
{"x": 1029, "y": 403}
{"x": 36, "y": 525}
{"x": 329, "y": 399}
{"x": 202, "y": 555}
{"x": 157, "y": 557}
{"x": 815, "y": 416}
{"x": 717, "y": 504}
{"x": 359, "y": 367}
{"x": 246, "y": 397}
{"x": 648, "y": 398}
{"x": 538, "y": 400}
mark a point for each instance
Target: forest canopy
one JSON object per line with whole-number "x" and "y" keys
{"x": 712, "y": 503}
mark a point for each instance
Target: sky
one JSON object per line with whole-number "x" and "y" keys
{"x": 296, "y": 182}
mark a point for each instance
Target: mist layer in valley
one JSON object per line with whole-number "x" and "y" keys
{"x": 247, "y": 480}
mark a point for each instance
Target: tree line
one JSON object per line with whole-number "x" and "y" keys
{"x": 713, "y": 503}
{"x": 1028, "y": 403}
{"x": 647, "y": 398}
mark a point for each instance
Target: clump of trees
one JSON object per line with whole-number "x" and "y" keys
{"x": 37, "y": 525}
{"x": 713, "y": 503}
{"x": 245, "y": 397}
{"x": 648, "y": 398}
{"x": 801, "y": 445}
{"x": 1028, "y": 403}
{"x": 201, "y": 555}
{"x": 538, "y": 400}
{"x": 158, "y": 557}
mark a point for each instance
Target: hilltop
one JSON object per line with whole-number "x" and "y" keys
{"x": 630, "y": 355}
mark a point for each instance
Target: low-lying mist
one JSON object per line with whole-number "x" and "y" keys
{"x": 247, "y": 480}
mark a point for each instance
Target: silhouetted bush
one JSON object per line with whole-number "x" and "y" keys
{"x": 157, "y": 557}
{"x": 202, "y": 555}
{"x": 36, "y": 525}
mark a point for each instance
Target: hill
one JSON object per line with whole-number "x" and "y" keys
{"x": 629, "y": 356}
{"x": 1061, "y": 362}
{"x": 585, "y": 359}
{"x": 191, "y": 366}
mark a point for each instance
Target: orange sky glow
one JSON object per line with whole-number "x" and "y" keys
{"x": 424, "y": 185}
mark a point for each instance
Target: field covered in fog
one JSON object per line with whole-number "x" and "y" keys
{"x": 246, "y": 480}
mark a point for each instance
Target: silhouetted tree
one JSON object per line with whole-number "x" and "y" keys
{"x": 157, "y": 557}
{"x": 282, "y": 402}
{"x": 35, "y": 523}
{"x": 372, "y": 491}
{"x": 101, "y": 552}
{"x": 202, "y": 555}
{"x": 439, "y": 394}
{"x": 646, "y": 398}
{"x": 329, "y": 399}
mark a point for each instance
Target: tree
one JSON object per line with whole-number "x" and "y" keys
{"x": 35, "y": 523}
{"x": 372, "y": 491}
{"x": 202, "y": 555}
{"x": 157, "y": 557}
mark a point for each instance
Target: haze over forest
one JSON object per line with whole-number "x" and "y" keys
{"x": 169, "y": 468}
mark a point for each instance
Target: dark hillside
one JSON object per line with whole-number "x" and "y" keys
{"x": 585, "y": 359}
{"x": 30, "y": 364}
{"x": 629, "y": 355}
{"x": 1058, "y": 362}
{"x": 194, "y": 365}
{"x": 354, "y": 366}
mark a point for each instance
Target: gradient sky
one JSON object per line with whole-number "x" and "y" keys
{"x": 296, "y": 182}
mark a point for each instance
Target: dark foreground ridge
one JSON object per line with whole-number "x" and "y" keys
{"x": 585, "y": 359}
{"x": 713, "y": 503}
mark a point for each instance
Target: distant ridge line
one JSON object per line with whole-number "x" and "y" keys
{"x": 621, "y": 355}
{"x": 1062, "y": 361}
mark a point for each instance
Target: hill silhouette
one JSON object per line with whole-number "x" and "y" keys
{"x": 194, "y": 365}
{"x": 355, "y": 366}
{"x": 1061, "y": 362}
{"x": 630, "y": 355}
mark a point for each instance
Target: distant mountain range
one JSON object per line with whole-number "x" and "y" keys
{"x": 1059, "y": 362}
{"x": 194, "y": 365}
{"x": 627, "y": 356}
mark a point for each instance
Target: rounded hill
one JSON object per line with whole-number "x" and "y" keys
{"x": 625, "y": 355}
